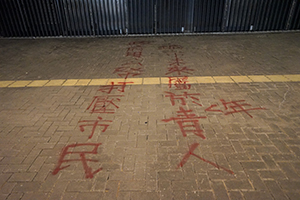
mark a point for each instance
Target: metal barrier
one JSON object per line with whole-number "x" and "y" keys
{"x": 43, "y": 18}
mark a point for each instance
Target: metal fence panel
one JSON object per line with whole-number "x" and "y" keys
{"x": 141, "y": 17}
{"x": 208, "y": 15}
{"x": 41, "y": 18}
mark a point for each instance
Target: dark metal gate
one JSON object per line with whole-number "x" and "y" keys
{"x": 42, "y": 18}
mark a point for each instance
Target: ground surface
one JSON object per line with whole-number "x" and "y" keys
{"x": 198, "y": 117}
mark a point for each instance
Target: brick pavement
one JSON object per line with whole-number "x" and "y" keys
{"x": 93, "y": 58}
{"x": 249, "y": 148}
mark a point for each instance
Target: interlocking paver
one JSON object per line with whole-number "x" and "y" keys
{"x": 141, "y": 156}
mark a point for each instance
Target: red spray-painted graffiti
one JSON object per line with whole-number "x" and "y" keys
{"x": 179, "y": 83}
{"x": 120, "y": 87}
{"x": 177, "y": 64}
{"x": 103, "y": 105}
{"x": 191, "y": 121}
{"x": 89, "y": 173}
{"x": 126, "y": 70}
{"x": 94, "y": 124}
{"x": 191, "y": 153}
{"x": 236, "y": 106}
{"x": 187, "y": 121}
{"x": 182, "y": 97}
{"x": 100, "y": 104}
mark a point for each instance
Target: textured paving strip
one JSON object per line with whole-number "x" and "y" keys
{"x": 153, "y": 81}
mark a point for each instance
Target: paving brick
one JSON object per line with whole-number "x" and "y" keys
{"x": 79, "y": 186}
{"x": 236, "y": 195}
{"x": 132, "y": 185}
{"x": 253, "y": 165}
{"x": 27, "y": 187}
{"x": 256, "y": 181}
{"x": 17, "y": 195}
{"x": 238, "y": 185}
{"x": 251, "y": 195}
{"x": 170, "y": 175}
{"x": 22, "y": 177}
{"x": 144, "y": 195}
{"x": 289, "y": 185}
{"x": 293, "y": 195}
{"x": 272, "y": 174}
{"x": 219, "y": 190}
{"x": 276, "y": 191}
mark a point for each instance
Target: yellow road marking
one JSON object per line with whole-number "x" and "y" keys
{"x": 241, "y": 79}
{"x": 223, "y": 79}
{"x": 5, "y": 83}
{"x": 83, "y": 82}
{"x": 38, "y": 83}
{"x": 57, "y": 82}
{"x": 95, "y": 82}
{"x": 151, "y": 80}
{"x": 70, "y": 82}
{"x": 259, "y": 78}
{"x": 20, "y": 84}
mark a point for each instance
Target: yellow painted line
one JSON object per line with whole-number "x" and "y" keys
{"x": 134, "y": 81}
{"x": 116, "y": 81}
{"x": 38, "y": 83}
{"x": 205, "y": 79}
{"x": 70, "y": 82}
{"x": 293, "y": 77}
{"x": 260, "y": 78}
{"x": 223, "y": 79}
{"x": 20, "y": 84}
{"x": 57, "y": 82}
{"x": 192, "y": 80}
{"x": 152, "y": 80}
{"x": 5, "y": 83}
{"x": 83, "y": 82}
{"x": 164, "y": 80}
{"x": 95, "y": 82}
{"x": 277, "y": 78}
{"x": 241, "y": 79}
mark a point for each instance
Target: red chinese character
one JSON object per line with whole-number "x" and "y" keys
{"x": 179, "y": 70}
{"x": 100, "y": 104}
{"x": 179, "y": 83}
{"x": 191, "y": 152}
{"x": 94, "y": 124}
{"x": 135, "y": 51}
{"x": 109, "y": 88}
{"x": 177, "y": 61}
{"x": 192, "y": 121}
{"x": 126, "y": 71}
{"x": 182, "y": 97}
{"x": 236, "y": 106}
{"x": 82, "y": 157}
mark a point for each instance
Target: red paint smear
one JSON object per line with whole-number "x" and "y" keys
{"x": 89, "y": 173}
{"x": 191, "y": 152}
